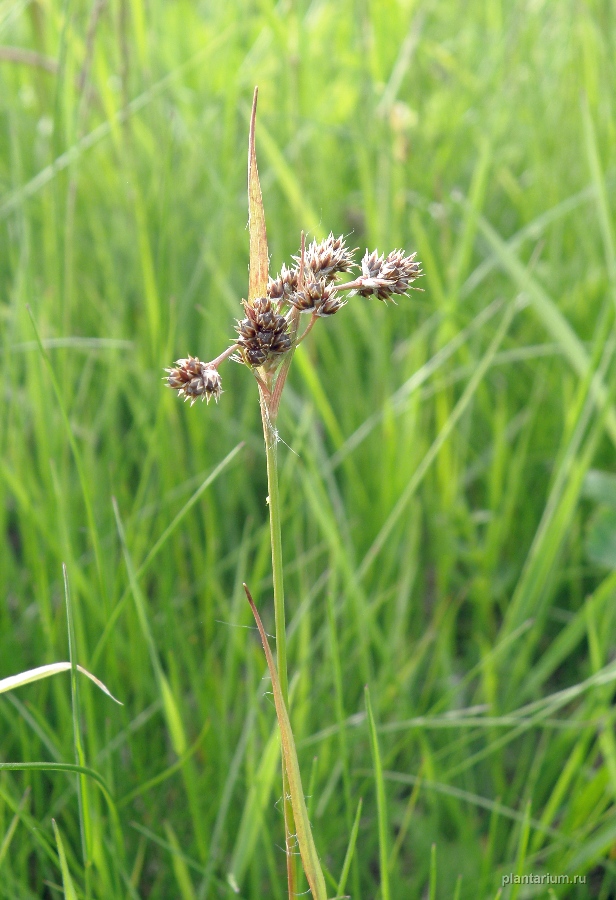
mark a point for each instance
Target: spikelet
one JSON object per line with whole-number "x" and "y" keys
{"x": 263, "y": 334}
{"x": 193, "y": 379}
{"x": 384, "y": 276}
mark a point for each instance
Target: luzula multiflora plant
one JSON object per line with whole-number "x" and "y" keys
{"x": 313, "y": 288}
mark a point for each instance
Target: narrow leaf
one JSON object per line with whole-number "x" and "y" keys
{"x": 67, "y": 882}
{"x": 259, "y": 261}
{"x": 432, "y": 891}
{"x": 348, "y": 859}
{"x": 62, "y": 767}
{"x": 8, "y": 837}
{"x": 456, "y": 895}
{"x": 15, "y": 681}
{"x": 522, "y": 848}
{"x": 180, "y": 867}
{"x": 252, "y": 816}
{"x": 85, "y": 824}
{"x": 71, "y": 767}
{"x": 307, "y": 848}
{"x": 381, "y": 802}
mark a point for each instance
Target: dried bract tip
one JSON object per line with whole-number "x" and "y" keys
{"x": 263, "y": 334}
{"x": 193, "y": 379}
{"x": 384, "y": 276}
{"x": 318, "y": 297}
{"x": 326, "y": 259}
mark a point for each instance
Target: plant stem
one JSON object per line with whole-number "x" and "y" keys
{"x": 271, "y": 452}
{"x": 216, "y": 362}
{"x": 350, "y": 285}
{"x": 268, "y": 416}
{"x": 307, "y": 330}
{"x": 281, "y": 378}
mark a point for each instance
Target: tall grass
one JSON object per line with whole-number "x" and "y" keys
{"x": 435, "y": 486}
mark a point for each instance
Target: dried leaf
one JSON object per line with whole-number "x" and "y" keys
{"x": 259, "y": 260}
{"x": 307, "y": 849}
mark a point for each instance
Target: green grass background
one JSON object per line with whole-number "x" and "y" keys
{"x": 444, "y": 541}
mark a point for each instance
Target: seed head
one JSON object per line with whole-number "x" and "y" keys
{"x": 326, "y": 259}
{"x": 193, "y": 379}
{"x": 285, "y": 284}
{"x": 263, "y": 334}
{"x": 318, "y": 297}
{"x": 384, "y": 276}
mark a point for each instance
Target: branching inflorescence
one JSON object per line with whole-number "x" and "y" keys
{"x": 312, "y": 288}
{"x": 269, "y": 329}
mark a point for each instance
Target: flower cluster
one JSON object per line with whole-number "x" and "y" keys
{"x": 263, "y": 334}
{"x": 326, "y": 259}
{"x": 270, "y": 329}
{"x": 192, "y": 379}
{"x": 384, "y": 276}
{"x": 318, "y": 296}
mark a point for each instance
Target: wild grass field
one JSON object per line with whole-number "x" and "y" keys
{"x": 448, "y": 471}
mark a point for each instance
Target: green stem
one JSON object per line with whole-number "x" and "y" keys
{"x": 271, "y": 451}
{"x": 268, "y": 416}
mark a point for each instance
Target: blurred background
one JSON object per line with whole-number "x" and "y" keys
{"x": 448, "y": 473}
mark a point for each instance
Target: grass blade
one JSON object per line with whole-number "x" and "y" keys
{"x": 67, "y": 882}
{"x": 381, "y": 801}
{"x": 522, "y": 846}
{"x": 85, "y": 824}
{"x": 308, "y": 850}
{"x": 251, "y": 822}
{"x": 348, "y": 858}
{"x": 30, "y": 675}
{"x": 432, "y": 889}
{"x": 180, "y": 867}
{"x": 8, "y": 837}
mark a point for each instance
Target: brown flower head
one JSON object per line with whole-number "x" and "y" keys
{"x": 193, "y": 379}
{"x": 384, "y": 276}
{"x": 285, "y": 284}
{"x": 263, "y": 334}
{"x": 326, "y": 259}
{"x": 318, "y": 297}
